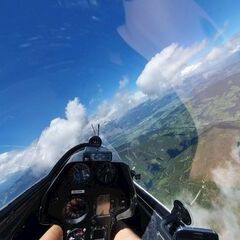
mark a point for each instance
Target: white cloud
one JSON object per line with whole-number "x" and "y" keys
{"x": 187, "y": 71}
{"x": 173, "y": 65}
{"x": 227, "y": 177}
{"x": 59, "y": 136}
{"x": 160, "y": 72}
{"x": 234, "y": 44}
{"x": 226, "y": 207}
{"x": 122, "y": 102}
{"x": 223, "y": 216}
{"x": 215, "y": 56}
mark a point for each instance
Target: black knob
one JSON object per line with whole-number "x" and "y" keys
{"x": 96, "y": 141}
{"x": 181, "y": 212}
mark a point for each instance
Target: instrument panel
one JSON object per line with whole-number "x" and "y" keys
{"x": 87, "y": 196}
{"x": 79, "y": 174}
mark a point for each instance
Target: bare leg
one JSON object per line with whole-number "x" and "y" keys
{"x": 53, "y": 233}
{"x": 56, "y": 233}
{"x": 126, "y": 234}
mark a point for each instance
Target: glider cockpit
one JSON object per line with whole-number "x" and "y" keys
{"x": 89, "y": 195}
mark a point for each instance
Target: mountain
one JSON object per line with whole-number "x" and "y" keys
{"x": 151, "y": 137}
{"x": 175, "y": 145}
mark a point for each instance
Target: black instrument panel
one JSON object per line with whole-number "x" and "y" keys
{"x": 88, "y": 195}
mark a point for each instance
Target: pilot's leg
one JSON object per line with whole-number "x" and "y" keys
{"x": 121, "y": 231}
{"x": 126, "y": 234}
{"x": 56, "y": 233}
{"x": 53, "y": 233}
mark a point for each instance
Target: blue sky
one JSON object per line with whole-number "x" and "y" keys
{"x": 223, "y": 11}
{"x": 53, "y": 51}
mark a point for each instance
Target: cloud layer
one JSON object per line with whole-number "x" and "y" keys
{"x": 64, "y": 133}
{"x": 215, "y": 57}
{"x": 226, "y": 208}
{"x": 172, "y": 66}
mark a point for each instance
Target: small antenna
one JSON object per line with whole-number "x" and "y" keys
{"x": 98, "y": 129}
{"x": 94, "y": 131}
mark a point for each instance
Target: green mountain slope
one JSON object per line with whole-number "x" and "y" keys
{"x": 160, "y": 139}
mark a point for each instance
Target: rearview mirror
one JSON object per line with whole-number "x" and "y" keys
{"x": 190, "y": 233}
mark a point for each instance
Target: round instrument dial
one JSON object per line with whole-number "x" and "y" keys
{"x": 75, "y": 211}
{"x": 79, "y": 173}
{"x": 106, "y": 172}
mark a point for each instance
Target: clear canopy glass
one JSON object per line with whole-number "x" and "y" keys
{"x": 162, "y": 78}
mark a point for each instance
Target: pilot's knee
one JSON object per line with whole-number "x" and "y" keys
{"x": 126, "y": 234}
{"x": 53, "y": 233}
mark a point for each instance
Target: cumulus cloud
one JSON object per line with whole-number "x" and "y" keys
{"x": 175, "y": 63}
{"x": 59, "y": 136}
{"x": 122, "y": 101}
{"x": 160, "y": 72}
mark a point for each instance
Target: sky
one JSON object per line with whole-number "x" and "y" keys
{"x": 54, "y": 51}
{"x": 51, "y": 53}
